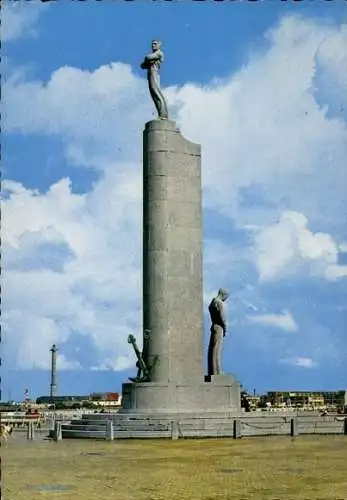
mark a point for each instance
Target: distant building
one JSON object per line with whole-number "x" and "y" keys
{"x": 105, "y": 396}
{"x": 316, "y": 399}
{"x": 102, "y": 398}
{"x": 61, "y": 399}
{"x": 249, "y": 402}
{"x": 336, "y": 398}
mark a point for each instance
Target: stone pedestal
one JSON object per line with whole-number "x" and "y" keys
{"x": 152, "y": 397}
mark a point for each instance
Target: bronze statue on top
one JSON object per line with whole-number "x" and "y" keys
{"x": 218, "y": 332}
{"x": 152, "y": 63}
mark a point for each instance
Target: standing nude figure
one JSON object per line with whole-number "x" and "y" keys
{"x": 218, "y": 332}
{"x": 152, "y": 64}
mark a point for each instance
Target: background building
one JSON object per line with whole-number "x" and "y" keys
{"x": 95, "y": 399}
{"x": 334, "y": 400}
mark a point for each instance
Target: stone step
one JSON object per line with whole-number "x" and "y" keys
{"x": 141, "y": 434}
{"x": 159, "y": 416}
{"x": 82, "y": 434}
{"x": 86, "y": 427}
{"x": 161, "y": 421}
{"x": 140, "y": 426}
{"x": 88, "y": 422}
{"x": 144, "y": 433}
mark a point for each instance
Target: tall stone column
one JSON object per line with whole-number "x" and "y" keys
{"x": 53, "y": 386}
{"x": 172, "y": 254}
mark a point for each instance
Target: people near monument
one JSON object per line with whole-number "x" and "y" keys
{"x": 5, "y": 432}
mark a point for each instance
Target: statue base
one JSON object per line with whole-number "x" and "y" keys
{"x": 222, "y": 379}
{"x": 157, "y": 410}
{"x": 217, "y": 393}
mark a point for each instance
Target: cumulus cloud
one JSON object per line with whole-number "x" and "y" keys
{"x": 44, "y": 304}
{"x": 103, "y": 113}
{"x": 265, "y": 139}
{"x": 19, "y": 19}
{"x": 288, "y": 246}
{"x": 64, "y": 364}
{"x": 269, "y": 139}
{"x": 331, "y": 74}
{"x": 284, "y": 320}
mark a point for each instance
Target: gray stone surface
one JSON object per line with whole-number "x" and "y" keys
{"x": 153, "y": 397}
{"x": 172, "y": 254}
{"x": 222, "y": 379}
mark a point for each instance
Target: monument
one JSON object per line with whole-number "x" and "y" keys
{"x": 173, "y": 317}
{"x": 170, "y": 384}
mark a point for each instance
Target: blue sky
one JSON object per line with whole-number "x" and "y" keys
{"x": 263, "y": 87}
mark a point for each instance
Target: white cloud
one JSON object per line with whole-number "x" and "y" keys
{"x": 301, "y": 362}
{"x": 284, "y": 320}
{"x": 119, "y": 364}
{"x": 287, "y": 246}
{"x": 343, "y": 248}
{"x": 266, "y": 145}
{"x": 263, "y": 134}
{"x": 269, "y": 136}
{"x": 94, "y": 103}
{"x": 334, "y": 272}
{"x": 333, "y": 82}
{"x": 19, "y": 19}
{"x": 65, "y": 364}
{"x": 99, "y": 279}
